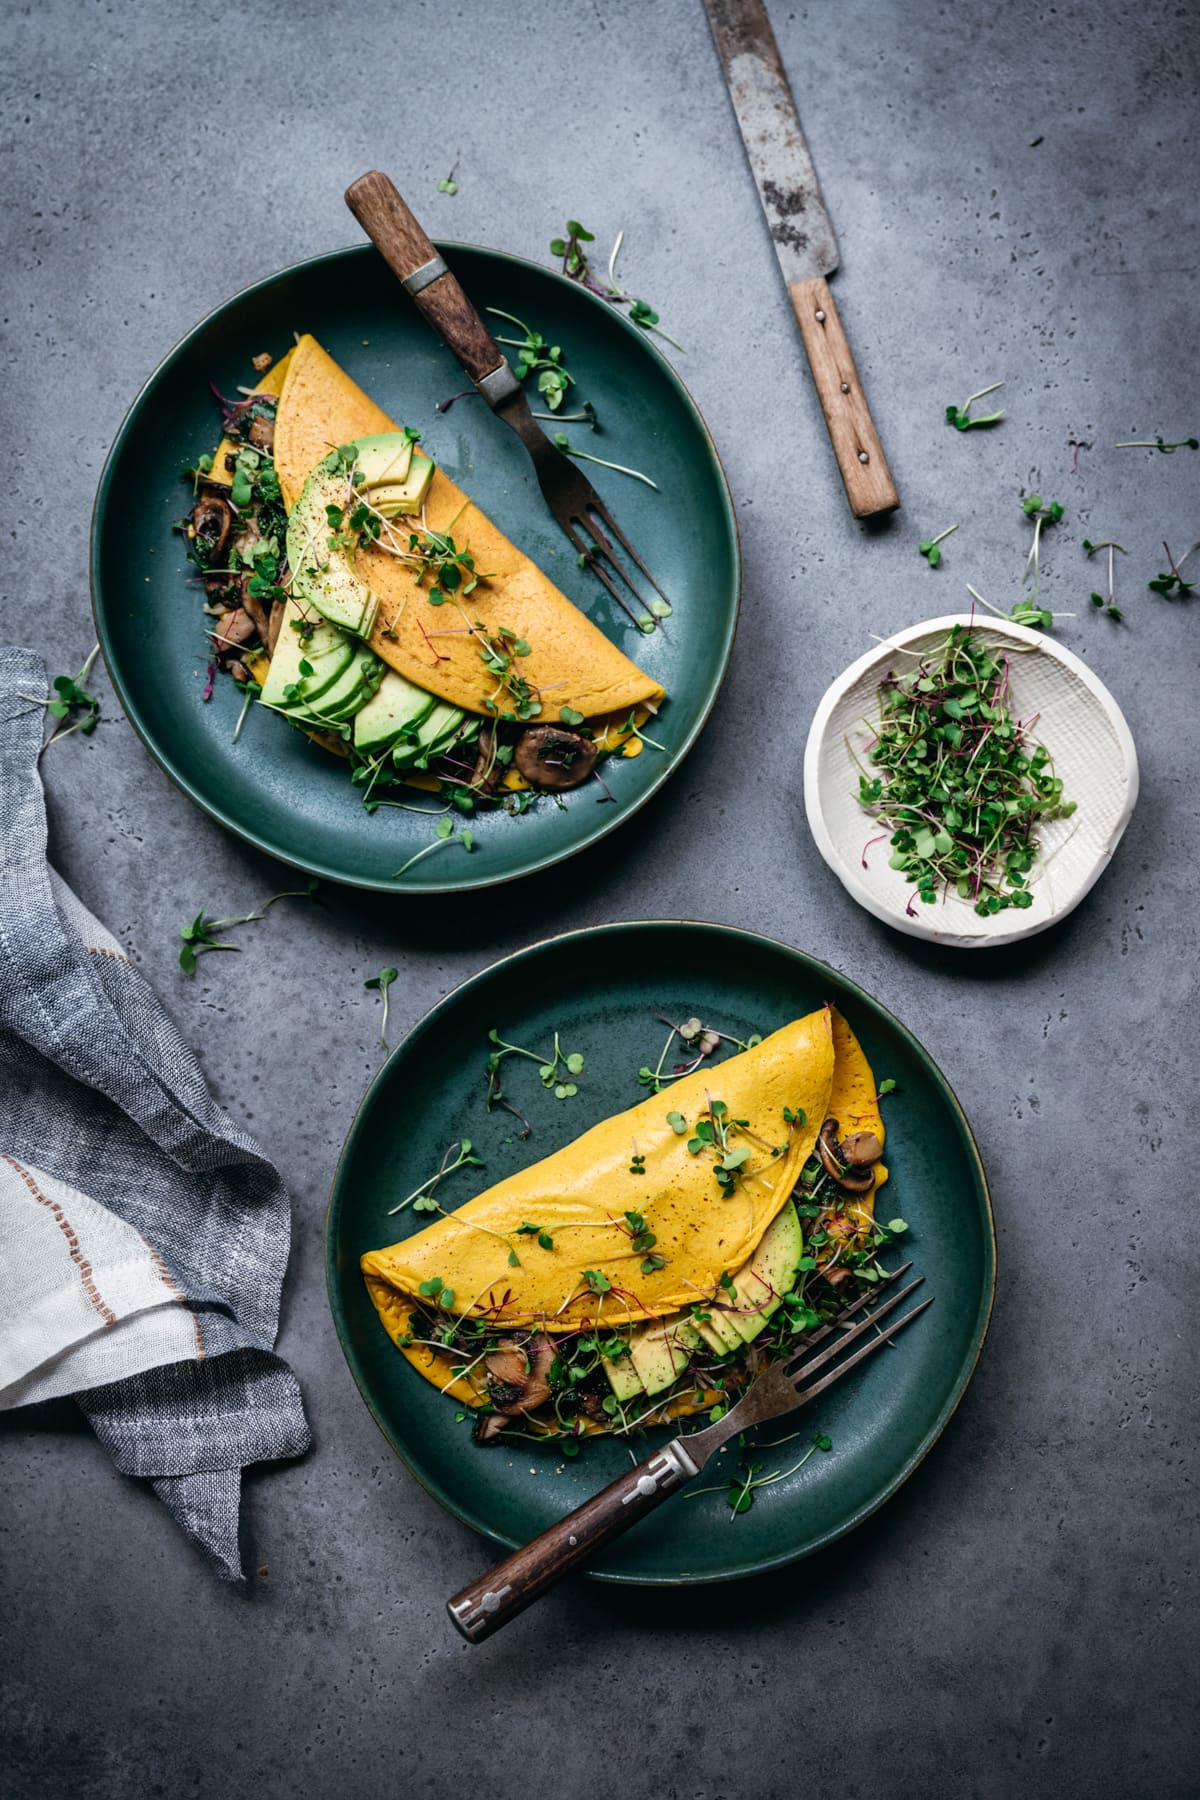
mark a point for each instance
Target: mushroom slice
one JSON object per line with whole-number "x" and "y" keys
{"x": 518, "y": 1374}
{"x": 233, "y": 628}
{"x": 212, "y": 524}
{"x": 827, "y": 1148}
{"x": 488, "y": 771}
{"x": 861, "y": 1147}
{"x": 550, "y": 757}
{"x": 261, "y": 433}
{"x": 489, "y": 1427}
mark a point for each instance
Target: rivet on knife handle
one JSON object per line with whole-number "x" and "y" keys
{"x": 864, "y": 470}
{"x": 486, "y": 1604}
{"x": 409, "y": 253}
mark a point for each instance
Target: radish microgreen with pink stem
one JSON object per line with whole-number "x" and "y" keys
{"x": 577, "y": 266}
{"x": 929, "y": 549}
{"x": 959, "y": 789}
{"x": 71, "y": 696}
{"x": 1173, "y": 583}
{"x": 960, "y": 416}
{"x": 701, "y": 1041}
{"x": 1106, "y": 601}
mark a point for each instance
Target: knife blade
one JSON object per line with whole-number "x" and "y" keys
{"x": 804, "y": 240}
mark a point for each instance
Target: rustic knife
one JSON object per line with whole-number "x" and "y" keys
{"x": 804, "y": 241}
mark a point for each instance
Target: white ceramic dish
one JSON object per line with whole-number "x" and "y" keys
{"x": 1078, "y": 721}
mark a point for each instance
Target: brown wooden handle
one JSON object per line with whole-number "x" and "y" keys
{"x": 400, "y": 240}
{"x": 486, "y": 1604}
{"x": 868, "y": 480}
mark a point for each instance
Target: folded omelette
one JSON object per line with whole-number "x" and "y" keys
{"x": 483, "y": 1269}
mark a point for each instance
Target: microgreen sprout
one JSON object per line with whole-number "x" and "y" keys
{"x": 740, "y": 1491}
{"x": 960, "y": 791}
{"x": 421, "y": 1199}
{"x": 199, "y": 936}
{"x": 929, "y": 550}
{"x": 444, "y": 833}
{"x": 1160, "y": 444}
{"x": 536, "y": 356}
{"x": 564, "y": 443}
{"x": 1040, "y": 514}
{"x": 699, "y": 1040}
{"x": 1172, "y": 583}
{"x": 1076, "y": 445}
{"x": 71, "y": 697}
{"x": 1106, "y": 601}
{"x": 960, "y": 416}
{"x": 382, "y": 982}
{"x": 576, "y": 265}
{"x": 1023, "y": 613}
{"x": 448, "y": 184}
{"x": 556, "y": 1071}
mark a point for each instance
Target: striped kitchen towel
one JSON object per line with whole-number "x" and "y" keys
{"x": 143, "y": 1235}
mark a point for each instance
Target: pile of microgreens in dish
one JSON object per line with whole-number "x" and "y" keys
{"x": 959, "y": 787}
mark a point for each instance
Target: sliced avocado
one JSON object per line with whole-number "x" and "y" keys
{"x": 382, "y": 460}
{"x": 343, "y": 698}
{"x": 623, "y": 1377}
{"x": 661, "y": 1351}
{"x": 441, "y": 723}
{"x": 718, "y": 1330}
{"x": 769, "y": 1274}
{"x": 398, "y": 704}
{"x": 328, "y": 651}
{"x": 326, "y": 577}
{"x": 400, "y": 498}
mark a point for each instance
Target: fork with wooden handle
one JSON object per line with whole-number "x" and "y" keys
{"x": 410, "y": 254}
{"x": 514, "y": 1583}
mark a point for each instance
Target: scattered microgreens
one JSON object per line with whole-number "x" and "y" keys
{"x": 887, "y": 1086}
{"x": 630, "y": 728}
{"x": 535, "y": 356}
{"x": 700, "y": 1040}
{"x": 1173, "y": 583}
{"x": 643, "y": 1240}
{"x": 434, "y": 1290}
{"x": 959, "y": 416}
{"x": 1107, "y": 601}
{"x": 382, "y": 982}
{"x": 422, "y": 1198}
{"x": 597, "y": 1281}
{"x": 1077, "y": 444}
{"x": 1023, "y": 613}
{"x": 70, "y": 697}
{"x": 960, "y": 792}
{"x": 564, "y": 443}
{"x": 448, "y": 184}
{"x": 555, "y": 1070}
{"x": 499, "y": 651}
{"x": 740, "y": 1490}
{"x": 711, "y": 1132}
{"x": 198, "y": 937}
{"x": 452, "y": 570}
{"x": 929, "y": 550}
{"x": 1160, "y": 444}
{"x": 444, "y": 834}
{"x": 1040, "y": 514}
{"x": 539, "y": 1232}
{"x": 576, "y": 265}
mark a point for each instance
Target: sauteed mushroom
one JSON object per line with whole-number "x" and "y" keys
{"x": 861, "y": 1147}
{"x": 853, "y": 1174}
{"x": 553, "y": 758}
{"x": 488, "y": 770}
{"x": 518, "y": 1374}
{"x": 212, "y": 523}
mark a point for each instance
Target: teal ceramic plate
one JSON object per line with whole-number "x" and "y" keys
{"x": 600, "y": 990}
{"x": 274, "y": 788}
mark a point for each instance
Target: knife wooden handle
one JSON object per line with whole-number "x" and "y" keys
{"x": 486, "y": 1604}
{"x": 868, "y": 480}
{"x": 400, "y": 240}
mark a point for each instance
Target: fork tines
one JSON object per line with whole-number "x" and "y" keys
{"x": 802, "y": 1366}
{"x": 602, "y": 548}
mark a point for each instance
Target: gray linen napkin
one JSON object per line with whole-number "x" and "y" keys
{"x": 98, "y": 1089}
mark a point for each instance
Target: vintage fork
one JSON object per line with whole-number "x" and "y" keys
{"x": 400, "y": 240}
{"x": 513, "y": 1583}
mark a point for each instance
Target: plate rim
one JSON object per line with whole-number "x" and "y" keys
{"x": 967, "y": 1367}
{"x": 848, "y": 876}
{"x": 161, "y": 756}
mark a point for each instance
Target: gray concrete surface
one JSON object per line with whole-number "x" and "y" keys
{"x": 1021, "y": 1619}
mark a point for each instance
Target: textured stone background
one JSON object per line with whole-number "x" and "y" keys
{"x": 1020, "y": 1620}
